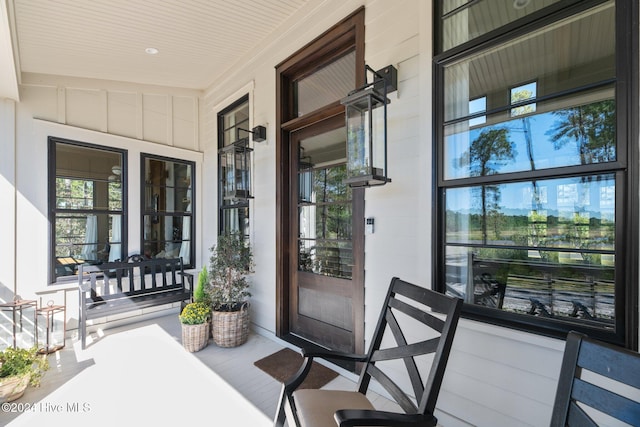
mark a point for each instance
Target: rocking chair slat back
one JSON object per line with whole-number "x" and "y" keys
{"x": 433, "y": 311}
{"x": 412, "y": 340}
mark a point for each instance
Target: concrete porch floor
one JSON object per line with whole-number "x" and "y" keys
{"x": 140, "y": 373}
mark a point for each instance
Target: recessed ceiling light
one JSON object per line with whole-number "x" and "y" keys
{"x": 521, "y": 4}
{"x": 151, "y": 50}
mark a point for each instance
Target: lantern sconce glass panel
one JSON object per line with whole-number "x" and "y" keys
{"x": 366, "y": 121}
{"x": 236, "y": 165}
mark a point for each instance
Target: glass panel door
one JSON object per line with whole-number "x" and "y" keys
{"x": 326, "y": 297}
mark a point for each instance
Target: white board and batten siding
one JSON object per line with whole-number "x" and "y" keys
{"x": 499, "y": 377}
{"x": 160, "y": 115}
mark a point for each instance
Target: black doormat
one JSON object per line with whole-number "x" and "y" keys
{"x": 286, "y": 362}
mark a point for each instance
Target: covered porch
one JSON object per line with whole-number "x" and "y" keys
{"x": 533, "y": 224}
{"x": 105, "y": 384}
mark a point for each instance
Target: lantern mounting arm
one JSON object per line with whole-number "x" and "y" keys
{"x": 384, "y": 79}
{"x": 259, "y": 133}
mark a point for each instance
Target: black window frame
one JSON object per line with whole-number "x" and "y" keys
{"x": 242, "y": 203}
{"x": 52, "y": 196}
{"x": 625, "y": 167}
{"x": 184, "y": 214}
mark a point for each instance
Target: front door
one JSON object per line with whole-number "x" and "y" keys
{"x": 326, "y": 250}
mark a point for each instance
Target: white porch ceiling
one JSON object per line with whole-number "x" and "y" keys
{"x": 199, "y": 41}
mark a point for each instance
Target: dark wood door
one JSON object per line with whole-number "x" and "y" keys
{"x": 327, "y": 234}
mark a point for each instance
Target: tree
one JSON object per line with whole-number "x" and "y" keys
{"x": 490, "y": 150}
{"x": 592, "y": 127}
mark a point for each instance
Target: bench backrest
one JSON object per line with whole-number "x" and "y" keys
{"x": 613, "y": 390}
{"x": 431, "y": 319}
{"x": 131, "y": 278}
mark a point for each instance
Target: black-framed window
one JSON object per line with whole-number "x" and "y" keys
{"x": 535, "y": 190}
{"x": 233, "y": 212}
{"x": 87, "y": 205}
{"x": 168, "y": 203}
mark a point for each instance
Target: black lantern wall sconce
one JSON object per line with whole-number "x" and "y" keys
{"x": 366, "y": 120}
{"x": 236, "y": 164}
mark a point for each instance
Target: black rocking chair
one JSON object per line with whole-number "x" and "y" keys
{"x": 407, "y": 312}
{"x": 580, "y": 392}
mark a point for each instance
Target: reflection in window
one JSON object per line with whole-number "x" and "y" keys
{"x": 88, "y": 213}
{"x": 458, "y": 28}
{"x": 556, "y": 130}
{"x": 486, "y": 73}
{"x": 543, "y": 247}
{"x": 168, "y": 227}
{"x": 530, "y": 198}
{"x": 234, "y": 211}
{"x": 522, "y": 94}
{"x": 578, "y": 135}
{"x": 577, "y": 294}
{"x": 502, "y": 214}
{"x": 325, "y": 225}
{"x": 324, "y": 207}
{"x": 477, "y": 105}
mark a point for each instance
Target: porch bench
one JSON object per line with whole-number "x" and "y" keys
{"x": 119, "y": 287}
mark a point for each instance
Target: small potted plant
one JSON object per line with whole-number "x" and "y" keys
{"x": 231, "y": 260}
{"x": 20, "y": 368}
{"x": 200, "y": 293}
{"x": 195, "y": 320}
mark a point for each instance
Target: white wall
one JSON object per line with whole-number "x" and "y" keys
{"x": 495, "y": 377}
{"x": 88, "y": 111}
{"x": 8, "y": 197}
{"x": 8, "y": 78}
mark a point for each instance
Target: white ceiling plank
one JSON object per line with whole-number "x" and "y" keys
{"x": 198, "y": 40}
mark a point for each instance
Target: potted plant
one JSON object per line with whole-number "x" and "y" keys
{"x": 19, "y": 368}
{"x": 231, "y": 260}
{"x": 195, "y": 320}
{"x": 200, "y": 293}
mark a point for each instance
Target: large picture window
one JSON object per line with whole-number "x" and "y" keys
{"x": 532, "y": 166}
{"x": 87, "y": 205}
{"x": 234, "y": 211}
{"x": 168, "y": 205}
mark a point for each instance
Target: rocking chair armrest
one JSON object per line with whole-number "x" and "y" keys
{"x": 296, "y": 379}
{"x": 366, "y": 417}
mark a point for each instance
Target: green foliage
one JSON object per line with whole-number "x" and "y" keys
{"x": 231, "y": 260}
{"x": 491, "y": 149}
{"x": 195, "y": 313}
{"x": 591, "y": 127}
{"x": 200, "y": 293}
{"x": 72, "y": 195}
{"x": 21, "y": 361}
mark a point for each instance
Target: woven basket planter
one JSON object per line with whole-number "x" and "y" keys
{"x": 230, "y": 328}
{"x": 195, "y": 337}
{"x": 13, "y": 387}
